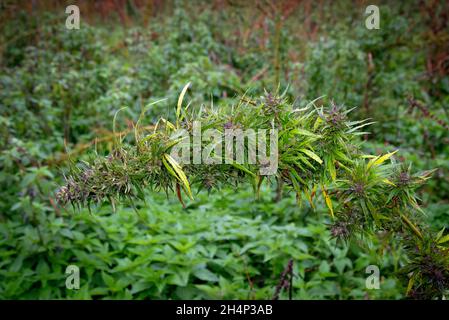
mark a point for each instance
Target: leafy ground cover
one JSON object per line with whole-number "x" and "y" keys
{"x": 59, "y": 92}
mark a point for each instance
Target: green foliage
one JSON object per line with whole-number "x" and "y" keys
{"x": 214, "y": 249}
{"x": 372, "y": 194}
{"x": 60, "y": 90}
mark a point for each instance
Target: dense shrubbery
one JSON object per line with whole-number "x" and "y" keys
{"x": 316, "y": 149}
{"x": 60, "y": 89}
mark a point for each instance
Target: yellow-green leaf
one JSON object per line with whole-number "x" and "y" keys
{"x": 410, "y": 284}
{"x": 388, "y": 182}
{"x": 239, "y": 166}
{"x": 309, "y": 198}
{"x": 411, "y": 226}
{"x": 379, "y": 160}
{"x": 444, "y": 239}
{"x": 305, "y": 133}
{"x": 328, "y": 201}
{"x": 331, "y": 169}
{"x": 318, "y": 121}
{"x": 181, "y": 97}
{"x": 179, "y": 173}
{"x": 312, "y": 155}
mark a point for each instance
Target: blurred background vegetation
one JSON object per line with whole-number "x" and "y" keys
{"x": 59, "y": 91}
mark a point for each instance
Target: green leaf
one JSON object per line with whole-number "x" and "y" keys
{"x": 328, "y": 201}
{"x": 331, "y": 169}
{"x": 377, "y": 161}
{"x": 305, "y": 133}
{"x": 312, "y": 155}
{"x": 178, "y": 173}
{"x": 178, "y": 109}
{"x": 240, "y": 167}
{"x": 205, "y": 275}
{"x": 108, "y": 280}
{"x": 444, "y": 239}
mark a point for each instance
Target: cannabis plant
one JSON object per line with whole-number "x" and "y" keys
{"x": 318, "y": 154}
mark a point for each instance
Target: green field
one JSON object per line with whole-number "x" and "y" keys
{"x": 85, "y": 180}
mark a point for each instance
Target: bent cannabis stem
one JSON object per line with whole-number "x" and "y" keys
{"x": 317, "y": 149}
